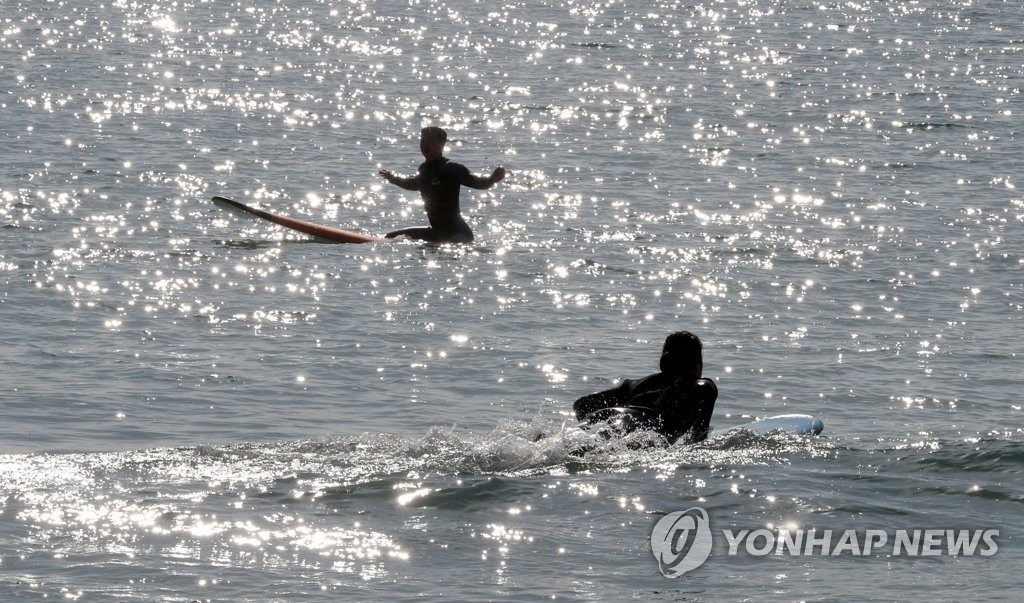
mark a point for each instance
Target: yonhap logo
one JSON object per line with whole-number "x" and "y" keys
{"x": 681, "y": 541}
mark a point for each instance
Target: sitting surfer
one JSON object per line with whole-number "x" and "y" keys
{"x": 674, "y": 402}
{"x": 439, "y": 181}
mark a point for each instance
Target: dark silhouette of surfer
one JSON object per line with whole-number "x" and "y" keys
{"x": 674, "y": 402}
{"x": 439, "y": 181}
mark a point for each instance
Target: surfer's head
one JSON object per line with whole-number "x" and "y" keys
{"x": 682, "y": 354}
{"x": 432, "y": 141}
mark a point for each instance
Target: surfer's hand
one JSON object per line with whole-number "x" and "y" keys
{"x": 497, "y": 175}
{"x": 387, "y": 175}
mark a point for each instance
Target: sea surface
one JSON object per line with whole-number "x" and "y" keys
{"x": 197, "y": 407}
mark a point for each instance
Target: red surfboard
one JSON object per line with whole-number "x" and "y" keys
{"x": 325, "y": 233}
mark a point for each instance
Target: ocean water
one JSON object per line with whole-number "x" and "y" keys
{"x": 201, "y": 408}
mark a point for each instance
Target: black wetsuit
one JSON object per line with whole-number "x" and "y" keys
{"x": 438, "y": 182}
{"x": 669, "y": 404}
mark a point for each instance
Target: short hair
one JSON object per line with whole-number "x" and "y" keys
{"x": 435, "y": 132}
{"x": 681, "y": 348}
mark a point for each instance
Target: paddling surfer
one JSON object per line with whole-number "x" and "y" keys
{"x": 673, "y": 402}
{"x": 439, "y": 181}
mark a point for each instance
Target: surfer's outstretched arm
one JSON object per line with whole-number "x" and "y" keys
{"x": 410, "y": 183}
{"x": 484, "y": 182}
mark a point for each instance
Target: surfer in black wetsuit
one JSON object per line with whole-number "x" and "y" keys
{"x": 675, "y": 402}
{"x": 438, "y": 181}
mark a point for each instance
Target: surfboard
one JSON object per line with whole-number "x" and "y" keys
{"x": 616, "y": 422}
{"x": 324, "y": 233}
{"x": 794, "y": 424}
{"x": 624, "y": 419}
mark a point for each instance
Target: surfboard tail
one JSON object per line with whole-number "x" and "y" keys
{"x": 324, "y": 233}
{"x": 234, "y": 207}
